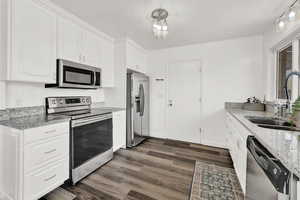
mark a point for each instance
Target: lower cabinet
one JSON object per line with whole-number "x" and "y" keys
{"x": 119, "y": 130}
{"x": 34, "y": 161}
{"x": 237, "y": 142}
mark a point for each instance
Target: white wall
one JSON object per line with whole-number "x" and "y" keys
{"x": 20, "y": 94}
{"x": 231, "y": 71}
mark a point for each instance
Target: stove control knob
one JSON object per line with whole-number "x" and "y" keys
{"x": 53, "y": 101}
{"x": 87, "y": 100}
{"x": 83, "y": 100}
{"x": 61, "y": 101}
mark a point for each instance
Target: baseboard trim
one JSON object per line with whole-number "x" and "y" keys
{"x": 214, "y": 144}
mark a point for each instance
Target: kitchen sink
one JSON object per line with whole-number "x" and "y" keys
{"x": 285, "y": 128}
{"x": 272, "y": 123}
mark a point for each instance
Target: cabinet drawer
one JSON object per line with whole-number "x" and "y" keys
{"x": 44, "y": 132}
{"x": 38, "y": 184}
{"x": 37, "y": 154}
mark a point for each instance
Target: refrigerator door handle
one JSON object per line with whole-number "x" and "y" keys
{"x": 142, "y": 99}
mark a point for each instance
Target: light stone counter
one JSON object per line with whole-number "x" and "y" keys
{"x": 285, "y": 145}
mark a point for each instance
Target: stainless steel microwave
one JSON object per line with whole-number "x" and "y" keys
{"x": 75, "y": 75}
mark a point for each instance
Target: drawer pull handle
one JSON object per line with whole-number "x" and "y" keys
{"x": 51, "y": 131}
{"x": 51, "y": 151}
{"x": 50, "y": 178}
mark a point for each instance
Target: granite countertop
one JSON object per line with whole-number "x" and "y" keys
{"x": 37, "y": 120}
{"x": 109, "y": 109}
{"x": 33, "y": 121}
{"x": 285, "y": 145}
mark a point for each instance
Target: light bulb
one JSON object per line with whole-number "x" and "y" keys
{"x": 281, "y": 24}
{"x": 292, "y": 15}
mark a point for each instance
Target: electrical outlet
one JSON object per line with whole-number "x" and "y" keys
{"x": 19, "y": 102}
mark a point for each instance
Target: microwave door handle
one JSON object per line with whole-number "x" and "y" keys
{"x": 95, "y": 78}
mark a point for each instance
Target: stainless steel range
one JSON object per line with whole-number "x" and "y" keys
{"x": 91, "y": 137}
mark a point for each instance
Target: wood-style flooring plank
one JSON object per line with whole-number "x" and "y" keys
{"x": 157, "y": 169}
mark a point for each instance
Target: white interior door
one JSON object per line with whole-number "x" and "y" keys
{"x": 184, "y": 101}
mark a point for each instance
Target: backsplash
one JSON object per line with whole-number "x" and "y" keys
{"x": 21, "y": 112}
{"x": 4, "y": 115}
{"x": 20, "y": 94}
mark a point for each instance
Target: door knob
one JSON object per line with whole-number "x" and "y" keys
{"x": 170, "y": 103}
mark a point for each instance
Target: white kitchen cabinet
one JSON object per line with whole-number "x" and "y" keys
{"x": 32, "y": 41}
{"x": 107, "y": 63}
{"x": 135, "y": 57}
{"x": 69, "y": 40}
{"x": 82, "y": 46}
{"x": 119, "y": 130}
{"x": 76, "y": 44}
{"x": 92, "y": 47}
{"x": 2, "y": 95}
{"x": 34, "y": 161}
{"x": 237, "y": 142}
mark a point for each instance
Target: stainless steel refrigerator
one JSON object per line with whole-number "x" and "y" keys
{"x": 137, "y": 108}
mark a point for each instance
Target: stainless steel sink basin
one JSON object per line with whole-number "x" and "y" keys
{"x": 272, "y": 123}
{"x": 285, "y": 128}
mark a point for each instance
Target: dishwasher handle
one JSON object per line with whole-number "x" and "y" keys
{"x": 263, "y": 159}
{"x": 277, "y": 173}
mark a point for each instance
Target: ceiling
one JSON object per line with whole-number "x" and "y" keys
{"x": 190, "y": 21}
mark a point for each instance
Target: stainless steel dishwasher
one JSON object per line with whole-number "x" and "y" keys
{"x": 267, "y": 178}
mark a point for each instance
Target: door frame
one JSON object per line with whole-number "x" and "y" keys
{"x": 167, "y": 92}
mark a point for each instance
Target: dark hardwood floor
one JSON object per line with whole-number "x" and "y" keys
{"x": 155, "y": 170}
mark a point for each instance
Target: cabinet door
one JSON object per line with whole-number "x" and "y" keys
{"x": 143, "y": 62}
{"x": 107, "y": 63}
{"x": 33, "y": 42}
{"x": 69, "y": 40}
{"x": 119, "y": 130}
{"x": 2, "y": 95}
{"x": 91, "y": 49}
{"x": 131, "y": 56}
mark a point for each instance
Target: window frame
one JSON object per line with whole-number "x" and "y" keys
{"x": 295, "y": 67}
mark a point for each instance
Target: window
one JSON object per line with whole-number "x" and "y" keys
{"x": 284, "y": 67}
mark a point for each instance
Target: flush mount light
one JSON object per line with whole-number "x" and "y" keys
{"x": 160, "y": 25}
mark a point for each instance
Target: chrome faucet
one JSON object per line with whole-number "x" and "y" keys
{"x": 288, "y": 102}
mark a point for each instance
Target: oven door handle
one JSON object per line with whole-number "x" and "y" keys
{"x": 81, "y": 122}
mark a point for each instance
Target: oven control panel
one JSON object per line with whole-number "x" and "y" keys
{"x": 60, "y": 102}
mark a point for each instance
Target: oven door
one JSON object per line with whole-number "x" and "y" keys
{"x": 91, "y": 137}
{"x": 76, "y": 75}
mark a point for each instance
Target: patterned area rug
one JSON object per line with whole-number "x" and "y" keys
{"x": 211, "y": 182}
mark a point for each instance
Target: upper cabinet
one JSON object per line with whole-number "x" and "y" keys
{"x": 76, "y": 44}
{"x": 32, "y": 41}
{"x": 37, "y": 33}
{"x": 135, "y": 57}
{"x": 69, "y": 40}
{"x": 79, "y": 45}
{"x": 2, "y": 96}
{"x": 107, "y": 63}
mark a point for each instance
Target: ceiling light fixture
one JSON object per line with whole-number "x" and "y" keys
{"x": 289, "y": 15}
{"x": 292, "y": 15}
{"x": 160, "y": 25}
